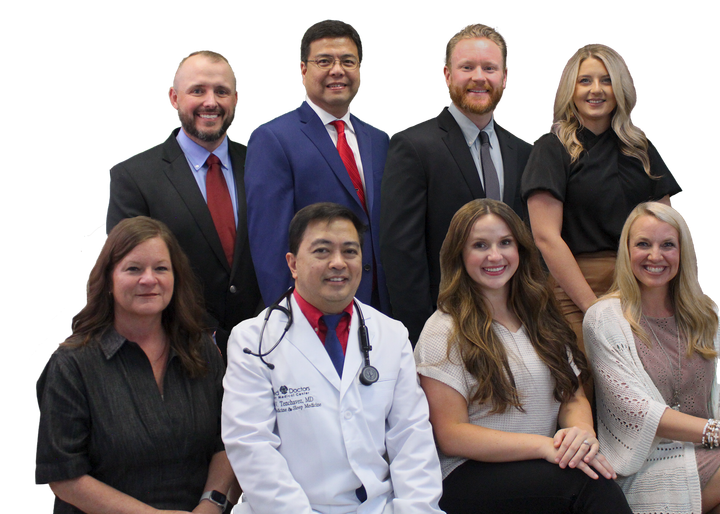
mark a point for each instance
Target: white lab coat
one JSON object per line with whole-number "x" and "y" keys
{"x": 302, "y": 440}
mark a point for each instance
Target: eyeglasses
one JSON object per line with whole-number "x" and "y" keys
{"x": 325, "y": 63}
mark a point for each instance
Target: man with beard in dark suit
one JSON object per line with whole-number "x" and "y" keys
{"x": 434, "y": 168}
{"x": 194, "y": 183}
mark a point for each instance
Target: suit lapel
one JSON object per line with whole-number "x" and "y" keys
{"x": 510, "y": 172}
{"x": 366, "y": 153}
{"x": 317, "y": 133}
{"x": 455, "y": 141}
{"x": 238, "y": 166}
{"x": 178, "y": 172}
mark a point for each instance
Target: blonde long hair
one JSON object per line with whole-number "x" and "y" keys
{"x": 695, "y": 313}
{"x": 530, "y": 299}
{"x": 566, "y": 119}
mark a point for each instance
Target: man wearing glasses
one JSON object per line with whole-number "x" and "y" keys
{"x": 317, "y": 153}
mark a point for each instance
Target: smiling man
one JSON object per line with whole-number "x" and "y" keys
{"x": 436, "y": 167}
{"x": 308, "y": 427}
{"x": 193, "y": 182}
{"x": 317, "y": 153}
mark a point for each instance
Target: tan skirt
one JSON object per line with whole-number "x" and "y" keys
{"x": 598, "y": 270}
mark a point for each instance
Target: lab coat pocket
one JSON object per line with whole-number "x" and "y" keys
{"x": 377, "y": 401}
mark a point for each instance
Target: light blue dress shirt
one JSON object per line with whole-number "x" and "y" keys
{"x": 196, "y": 156}
{"x": 472, "y": 137}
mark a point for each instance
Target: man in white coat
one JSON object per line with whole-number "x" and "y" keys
{"x": 317, "y": 419}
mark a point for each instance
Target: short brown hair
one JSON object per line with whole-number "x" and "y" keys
{"x": 475, "y": 32}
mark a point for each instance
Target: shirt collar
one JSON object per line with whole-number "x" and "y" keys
{"x": 111, "y": 342}
{"x": 469, "y": 129}
{"x": 326, "y": 118}
{"x": 197, "y": 155}
{"x": 312, "y": 313}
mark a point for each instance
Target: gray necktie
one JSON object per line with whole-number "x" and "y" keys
{"x": 492, "y": 185}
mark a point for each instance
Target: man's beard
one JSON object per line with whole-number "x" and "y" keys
{"x": 459, "y": 96}
{"x": 190, "y": 127}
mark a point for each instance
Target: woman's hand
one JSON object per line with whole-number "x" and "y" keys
{"x": 578, "y": 448}
{"x": 573, "y": 445}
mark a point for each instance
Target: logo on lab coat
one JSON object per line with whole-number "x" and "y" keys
{"x": 294, "y": 399}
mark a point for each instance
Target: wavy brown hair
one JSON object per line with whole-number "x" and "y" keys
{"x": 181, "y": 319}
{"x": 530, "y": 299}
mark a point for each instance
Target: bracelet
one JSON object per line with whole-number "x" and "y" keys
{"x": 711, "y": 434}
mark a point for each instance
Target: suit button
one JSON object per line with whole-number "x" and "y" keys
{"x": 367, "y": 267}
{"x": 233, "y": 289}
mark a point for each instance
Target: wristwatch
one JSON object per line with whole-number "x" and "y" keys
{"x": 215, "y": 497}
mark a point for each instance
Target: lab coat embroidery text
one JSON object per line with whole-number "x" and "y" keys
{"x": 289, "y": 399}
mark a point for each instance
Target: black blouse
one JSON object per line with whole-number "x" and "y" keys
{"x": 599, "y": 190}
{"x": 101, "y": 414}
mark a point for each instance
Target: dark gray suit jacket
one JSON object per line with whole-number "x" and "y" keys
{"x": 429, "y": 175}
{"x": 158, "y": 183}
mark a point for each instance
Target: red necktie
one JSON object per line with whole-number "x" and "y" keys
{"x": 220, "y": 205}
{"x": 348, "y": 159}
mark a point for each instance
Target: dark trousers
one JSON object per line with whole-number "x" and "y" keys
{"x": 528, "y": 487}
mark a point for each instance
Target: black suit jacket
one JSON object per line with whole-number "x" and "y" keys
{"x": 429, "y": 175}
{"x": 158, "y": 183}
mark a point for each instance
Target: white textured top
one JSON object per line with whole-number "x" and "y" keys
{"x": 657, "y": 475}
{"x": 532, "y": 379}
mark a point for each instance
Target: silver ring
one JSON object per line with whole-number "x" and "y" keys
{"x": 586, "y": 442}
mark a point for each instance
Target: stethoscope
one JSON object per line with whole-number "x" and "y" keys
{"x": 368, "y": 375}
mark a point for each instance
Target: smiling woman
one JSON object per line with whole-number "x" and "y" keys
{"x": 654, "y": 254}
{"x": 584, "y": 178}
{"x": 593, "y": 97}
{"x": 653, "y": 343}
{"x": 130, "y": 402}
{"x": 502, "y": 371}
{"x": 490, "y": 254}
{"x": 143, "y": 284}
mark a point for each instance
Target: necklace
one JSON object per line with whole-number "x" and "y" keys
{"x": 675, "y": 402}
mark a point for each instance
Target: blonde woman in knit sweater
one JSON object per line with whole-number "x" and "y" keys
{"x": 653, "y": 345}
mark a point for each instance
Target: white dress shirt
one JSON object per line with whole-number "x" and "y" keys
{"x": 327, "y": 119}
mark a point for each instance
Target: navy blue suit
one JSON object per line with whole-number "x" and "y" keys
{"x": 291, "y": 163}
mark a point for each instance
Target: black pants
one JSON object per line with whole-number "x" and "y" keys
{"x": 528, "y": 487}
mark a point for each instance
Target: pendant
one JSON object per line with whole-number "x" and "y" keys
{"x": 675, "y": 404}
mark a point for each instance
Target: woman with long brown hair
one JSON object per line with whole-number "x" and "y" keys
{"x": 501, "y": 370}
{"x": 130, "y": 402}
